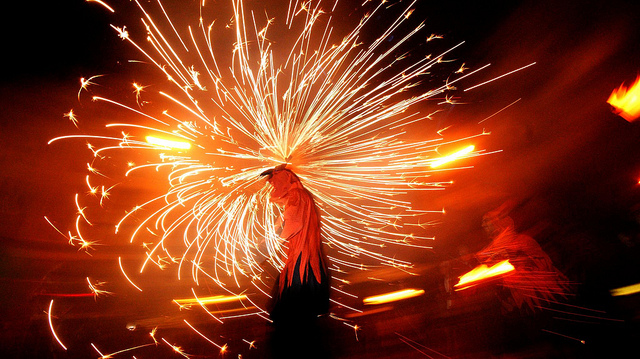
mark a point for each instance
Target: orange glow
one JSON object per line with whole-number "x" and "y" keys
{"x": 452, "y": 157}
{"x": 625, "y": 101}
{"x": 393, "y": 296}
{"x": 482, "y": 272}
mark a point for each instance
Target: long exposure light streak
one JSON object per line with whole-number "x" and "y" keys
{"x": 393, "y": 296}
{"x": 483, "y": 272}
{"x": 126, "y": 276}
{"x": 626, "y": 290}
{"x": 499, "y": 77}
{"x": 338, "y": 107}
{"x": 222, "y": 348}
{"x": 53, "y": 331}
{"x": 209, "y": 300}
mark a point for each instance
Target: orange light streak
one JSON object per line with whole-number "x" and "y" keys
{"x": 393, "y": 296}
{"x": 482, "y": 272}
{"x": 176, "y": 348}
{"x": 626, "y": 101}
{"x": 499, "y": 77}
{"x": 216, "y": 299}
{"x": 51, "y": 326}
{"x": 84, "y": 83}
{"x": 222, "y": 348}
{"x": 504, "y": 108}
{"x": 126, "y": 276}
{"x": 103, "y": 4}
{"x": 565, "y": 336}
{"x": 111, "y": 355}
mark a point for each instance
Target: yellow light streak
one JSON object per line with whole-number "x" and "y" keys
{"x": 393, "y": 296}
{"x": 168, "y": 143}
{"x": 216, "y": 299}
{"x": 482, "y": 272}
{"x": 452, "y": 157}
{"x": 627, "y": 290}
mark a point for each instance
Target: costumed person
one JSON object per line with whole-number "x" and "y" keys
{"x": 301, "y": 291}
{"x": 535, "y": 278}
{"x": 524, "y": 292}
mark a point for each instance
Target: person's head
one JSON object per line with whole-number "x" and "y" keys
{"x": 268, "y": 174}
{"x": 497, "y": 221}
{"x": 282, "y": 180}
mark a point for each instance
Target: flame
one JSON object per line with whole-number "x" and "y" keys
{"x": 625, "y": 101}
{"x": 483, "y": 272}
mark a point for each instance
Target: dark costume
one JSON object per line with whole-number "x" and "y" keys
{"x": 301, "y": 291}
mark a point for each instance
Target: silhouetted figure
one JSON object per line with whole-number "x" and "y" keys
{"x": 301, "y": 291}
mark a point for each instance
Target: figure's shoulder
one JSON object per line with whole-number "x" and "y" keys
{"x": 299, "y": 195}
{"x": 294, "y": 195}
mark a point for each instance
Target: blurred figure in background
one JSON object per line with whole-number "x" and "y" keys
{"x": 535, "y": 278}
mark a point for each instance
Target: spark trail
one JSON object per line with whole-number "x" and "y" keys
{"x": 338, "y": 107}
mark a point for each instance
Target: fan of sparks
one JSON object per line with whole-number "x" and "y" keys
{"x": 337, "y": 108}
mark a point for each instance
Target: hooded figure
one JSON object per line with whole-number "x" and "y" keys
{"x": 301, "y": 291}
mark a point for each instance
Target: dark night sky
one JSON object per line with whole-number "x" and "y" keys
{"x": 570, "y": 165}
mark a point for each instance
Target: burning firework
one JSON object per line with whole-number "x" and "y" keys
{"x": 339, "y": 110}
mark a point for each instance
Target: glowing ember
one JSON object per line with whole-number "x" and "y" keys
{"x": 393, "y": 296}
{"x": 626, "y": 101}
{"x": 483, "y": 272}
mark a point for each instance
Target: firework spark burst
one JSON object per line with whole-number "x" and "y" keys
{"x": 338, "y": 108}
